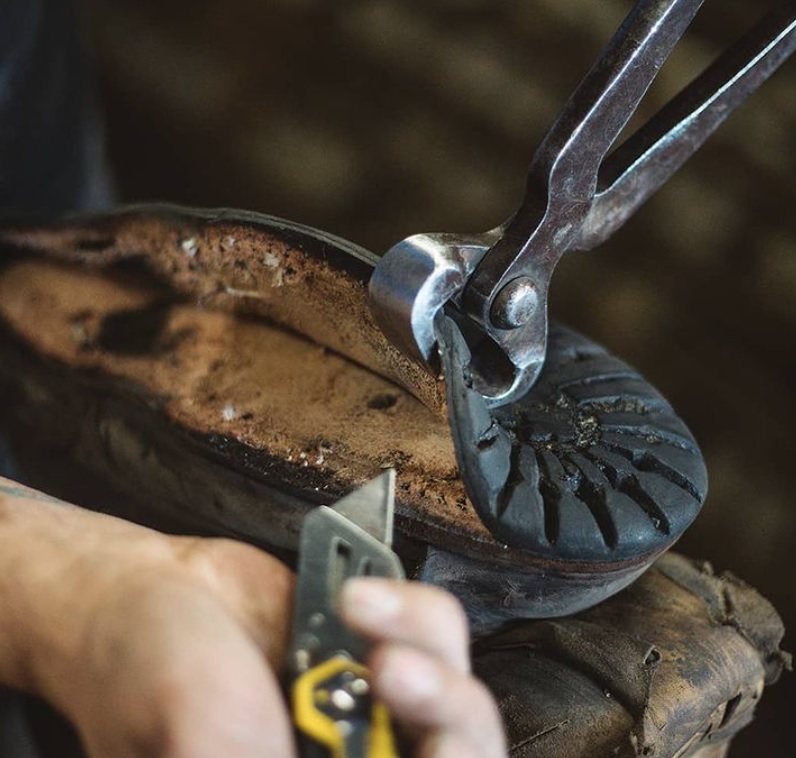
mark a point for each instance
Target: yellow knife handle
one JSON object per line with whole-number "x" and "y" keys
{"x": 333, "y": 707}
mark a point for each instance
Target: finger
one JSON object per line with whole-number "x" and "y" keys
{"x": 446, "y": 745}
{"x": 449, "y": 706}
{"x": 408, "y": 613}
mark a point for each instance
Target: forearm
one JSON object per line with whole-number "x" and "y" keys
{"x": 25, "y": 519}
{"x": 54, "y": 566}
{"x": 156, "y": 645}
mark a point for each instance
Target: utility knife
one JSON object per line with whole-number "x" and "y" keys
{"x": 334, "y": 711}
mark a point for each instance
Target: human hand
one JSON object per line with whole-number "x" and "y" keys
{"x": 151, "y": 645}
{"x": 169, "y": 646}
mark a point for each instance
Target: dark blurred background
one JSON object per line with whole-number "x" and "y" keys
{"x": 376, "y": 119}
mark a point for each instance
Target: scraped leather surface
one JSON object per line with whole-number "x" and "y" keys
{"x": 321, "y": 420}
{"x": 243, "y": 262}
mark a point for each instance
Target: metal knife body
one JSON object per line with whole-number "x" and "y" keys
{"x": 334, "y": 711}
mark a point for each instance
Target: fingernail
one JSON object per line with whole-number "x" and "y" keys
{"x": 370, "y": 602}
{"x": 409, "y": 674}
{"x": 447, "y": 745}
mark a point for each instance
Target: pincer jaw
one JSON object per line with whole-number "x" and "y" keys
{"x": 426, "y": 275}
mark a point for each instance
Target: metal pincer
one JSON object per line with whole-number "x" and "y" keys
{"x": 496, "y": 284}
{"x": 566, "y": 452}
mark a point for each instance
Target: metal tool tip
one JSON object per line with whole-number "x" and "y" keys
{"x": 371, "y": 506}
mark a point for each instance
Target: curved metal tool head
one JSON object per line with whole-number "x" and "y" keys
{"x": 415, "y": 279}
{"x": 592, "y": 467}
{"x": 426, "y": 273}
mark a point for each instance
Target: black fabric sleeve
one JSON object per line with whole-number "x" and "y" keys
{"x": 49, "y": 140}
